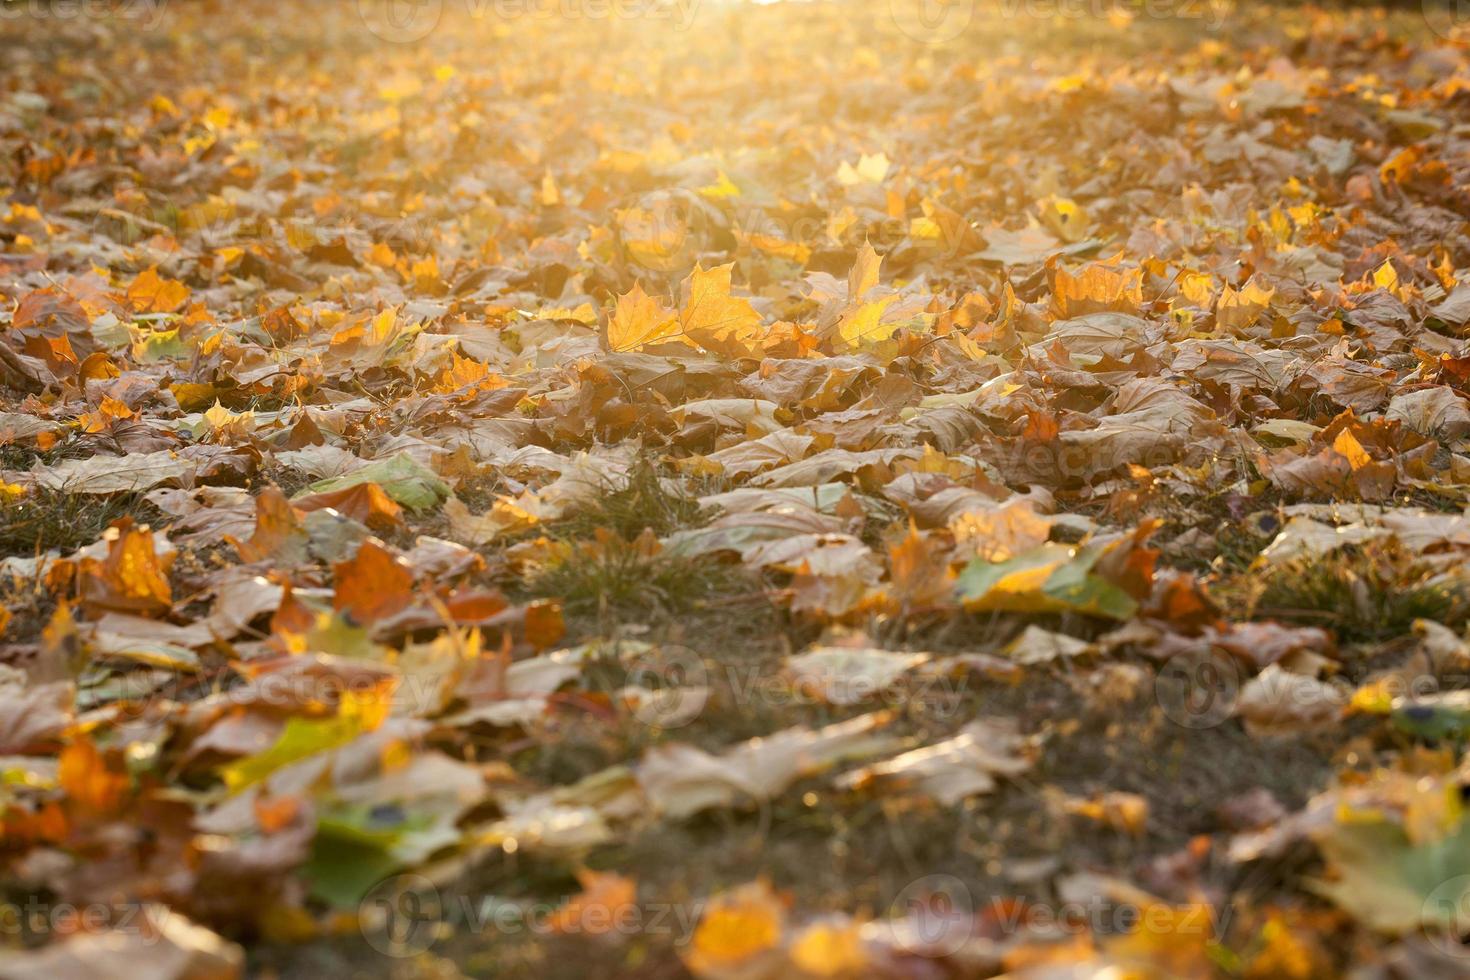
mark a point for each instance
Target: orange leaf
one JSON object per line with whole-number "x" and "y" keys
{"x": 132, "y": 578}
{"x": 372, "y": 585}
{"x": 149, "y": 293}
{"x": 364, "y": 502}
{"x": 544, "y": 625}
{"x": 1096, "y": 289}
{"x": 738, "y": 928}
{"x": 606, "y": 900}
{"x": 919, "y": 574}
{"x": 276, "y": 813}
{"x": 88, "y": 780}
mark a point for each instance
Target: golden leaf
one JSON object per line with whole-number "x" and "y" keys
{"x": 737, "y": 927}
{"x": 1096, "y": 289}
{"x": 132, "y": 578}
{"x": 864, "y": 273}
{"x": 864, "y": 325}
{"x": 149, "y": 293}
{"x": 831, "y": 949}
{"x": 639, "y": 320}
{"x": 714, "y": 318}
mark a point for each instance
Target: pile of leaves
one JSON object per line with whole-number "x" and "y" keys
{"x": 880, "y": 492}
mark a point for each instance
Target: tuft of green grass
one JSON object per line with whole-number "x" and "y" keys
{"x": 646, "y": 503}
{"x": 1371, "y": 592}
{"x": 612, "y": 573}
{"x": 44, "y": 519}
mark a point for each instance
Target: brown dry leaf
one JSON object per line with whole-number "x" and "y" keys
{"x": 849, "y": 675}
{"x": 680, "y": 780}
{"x": 1039, "y": 646}
{"x": 278, "y": 532}
{"x": 161, "y": 945}
{"x": 953, "y": 769}
{"x": 1277, "y": 701}
{"x": 115, "y": 474}
{"x": 33, "y": 718}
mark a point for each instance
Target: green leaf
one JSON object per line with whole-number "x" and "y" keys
{"x": 1051, "y": 578}
{"x": 302, "y": 737}
{"x": 1075, "y": 586}
{"x": 403, "y": 478}
{"x": 1392, "y": 885}
{"x": 344, "y": 866}
{"x": 1435, "y": 716}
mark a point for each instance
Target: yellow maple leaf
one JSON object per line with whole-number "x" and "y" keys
{"x": 864, "y": 325}
{"x": 1346, "y": 444}
{"x": 711, "y": 316}
{"x": 863, "y": 275}
{"x": 870, "y": 169}
{"x": 1172, "y": 940}
{"x": 1096, "y": 289}
{"x": 1238, "y": 309}
{"x": 639, "y": 320}
{"x": 1386, "y": 277}
{"x": 722, "y": 187}
{"x": 654, "y": 238}
{"x": 550, "y": 193}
